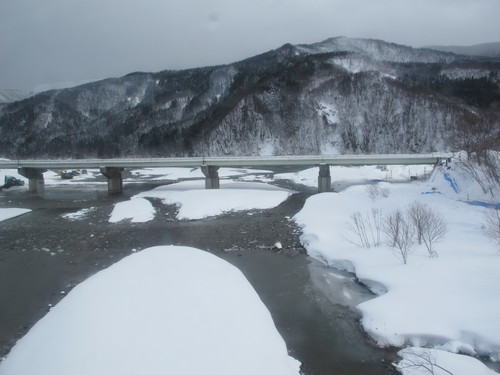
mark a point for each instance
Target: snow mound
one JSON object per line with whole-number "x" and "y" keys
{"x": 138, "y": 210}
{"x": 165, "y": 310}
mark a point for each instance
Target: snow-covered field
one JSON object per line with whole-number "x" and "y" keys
{"x": 448, "y": 303}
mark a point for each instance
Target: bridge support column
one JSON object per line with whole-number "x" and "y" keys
{"x": 324, "y": 178}
{"x": 211, "y": 176}
{"x": 115, "y": 181}
{"x": 36, "y": 182}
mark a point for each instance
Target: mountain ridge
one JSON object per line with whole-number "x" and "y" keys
{"x": 341, "y": 95}
{"x": 491, "y": 49}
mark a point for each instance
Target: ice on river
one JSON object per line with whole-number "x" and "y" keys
{"x": 164, "y": 310}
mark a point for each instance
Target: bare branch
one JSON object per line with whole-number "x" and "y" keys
{"x": 430, "y": 226}
{"x": 366, "y": 228}
{"x": 420, "y": 358}
{"x": 492, "y": 225}
{"x": 399, "y": 234}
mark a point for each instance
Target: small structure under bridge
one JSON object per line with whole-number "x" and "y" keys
{"x": 112, "y": 168}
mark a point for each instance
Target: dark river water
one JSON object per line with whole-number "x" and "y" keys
{"x": 43, "y": 255}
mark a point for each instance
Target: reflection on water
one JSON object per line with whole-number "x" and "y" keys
{"x": 339, "y": 287}
{"x": 313, "y": 308}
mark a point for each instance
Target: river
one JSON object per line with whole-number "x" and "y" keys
{"x": 44, "y": 255}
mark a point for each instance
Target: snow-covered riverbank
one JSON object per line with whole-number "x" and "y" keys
{"x": 449, "y": 301}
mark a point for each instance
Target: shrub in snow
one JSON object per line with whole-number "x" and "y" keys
{"x": 420, "y": 361}
{"x": 492, "y": 225}
{"x": 375, "y": 191}
{"x": 366, "y": 228}
{"x": 429, "y": 225}
{"x": 399, "y": 233}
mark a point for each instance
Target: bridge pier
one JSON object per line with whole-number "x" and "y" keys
{"x": 115, "y": 181}
{"x": 36, "y": 183}
{"x": 324, "y": 178}
{"x": 211, "y": 176}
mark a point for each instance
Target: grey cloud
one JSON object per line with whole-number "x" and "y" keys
{"x": 67, "y": 40}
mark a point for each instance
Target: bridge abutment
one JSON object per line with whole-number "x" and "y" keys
{"x": 115, "y": 180}
{"x": 324, "y": 178}
{"x": 211, "y": 176}
{"x": 36, "y": 183}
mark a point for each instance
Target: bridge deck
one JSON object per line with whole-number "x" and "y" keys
{"x": 230, "y": 161}
{"x": 112, "y": 168}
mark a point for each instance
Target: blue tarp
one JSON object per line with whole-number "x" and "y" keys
{"x": 452, "y": 182}
{"x": 485, "y": 204}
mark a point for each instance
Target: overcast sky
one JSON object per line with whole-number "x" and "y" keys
{"x": 50, "y": 41}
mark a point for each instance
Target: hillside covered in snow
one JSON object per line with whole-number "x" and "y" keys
{"x": 342, "y": 95}
{"x": 339, "y": 96}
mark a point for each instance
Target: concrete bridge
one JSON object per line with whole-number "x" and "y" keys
{"x": 112, "y": 168}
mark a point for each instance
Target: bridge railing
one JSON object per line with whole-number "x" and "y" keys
{"x": 112, "y": 168}
{"x": 229, "y": 161}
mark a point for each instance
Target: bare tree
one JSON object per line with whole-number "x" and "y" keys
{"x": 476, "y": 133}
{"x": 375, "y": 191}
{"x": 484, "y": 170}
{"x": 435, "y": 229}
{"x": 357, "y": 225}
{"x": 417, "y": 213}
{"x": 421, "y": 359}
{"x": 399, "y": 233}
{"x": 492, "y": 225}
{"x": 366, "y": 228}
{"x": 429, "y": 225}
{"x": 377, "y": 220}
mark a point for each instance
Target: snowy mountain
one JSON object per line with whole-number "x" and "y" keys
{"x": 483, "y": 49}
{"x": 339, "y": 96}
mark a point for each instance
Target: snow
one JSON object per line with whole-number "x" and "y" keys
{"x": 138, "y": 210}
{"x": 329, "y": 111}
{"x": 166, "y": 309}
{"x": 196, "y": 202}
{"x": 9, "y": 213}
{"x": 53, "y": 178}
{"x": 420, "y": 361}
{"x": 449, "y": 301}
{"x": 79, "y": 215}
{"x": 165, "y": 173}
{"x": 177, "y": 173}
{"x": 362, "y": 174}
